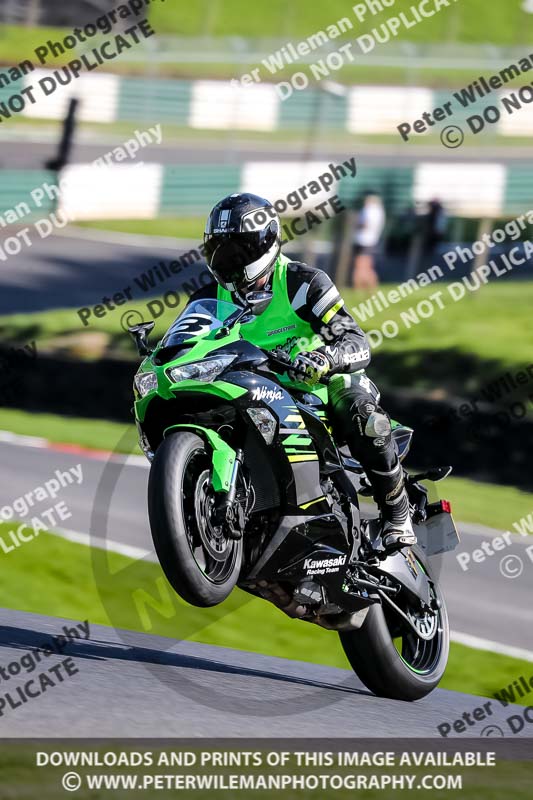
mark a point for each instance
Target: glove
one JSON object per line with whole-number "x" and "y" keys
{"x": 309, "y": 368}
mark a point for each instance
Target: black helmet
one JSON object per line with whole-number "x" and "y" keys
{"x": 242, "y": 240}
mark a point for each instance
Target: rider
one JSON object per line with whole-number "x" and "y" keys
{"x": 242, "y": 244}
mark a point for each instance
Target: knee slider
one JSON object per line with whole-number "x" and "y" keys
{"x": 378, "y": 425}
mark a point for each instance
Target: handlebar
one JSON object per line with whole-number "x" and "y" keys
{"x": 283, "y": 365}
{"x": 275, "y": 360}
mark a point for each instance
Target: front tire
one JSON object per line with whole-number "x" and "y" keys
{"x": 407, "y": 672}
{"x": 200, "y": 562}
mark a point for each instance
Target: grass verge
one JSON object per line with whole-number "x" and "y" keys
{"x": 475, "y": 22}
{"x": 51, "y": 576}
{"x": 180, "y": 228}
{"x": 176, "y": 227}
{"x": 96, "y": 434}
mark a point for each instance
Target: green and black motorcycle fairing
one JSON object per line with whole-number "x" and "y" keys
{"x": 248, "y": 487}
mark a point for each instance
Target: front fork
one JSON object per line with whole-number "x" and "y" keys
{"x": 228, "y": 511}
{"x": 226, "y": 469}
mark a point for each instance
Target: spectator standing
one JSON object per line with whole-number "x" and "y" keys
{"x": 368, "y": 232}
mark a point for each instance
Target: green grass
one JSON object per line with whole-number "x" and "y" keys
{"x": 17, "y": 42}
{"x": 177, "y": 227}
{"x": 472, "y": 22}
{"x": 491, "y": 323}
{"x": 96, "y": 434}
{"x": 486, "y": 503}
{"x": 181, "y": 228}
{"x": 59, "y": 578}
{"x": 483, "y": 503}
{"x": 475, "y": 21}
{"x": 457, "y": 350}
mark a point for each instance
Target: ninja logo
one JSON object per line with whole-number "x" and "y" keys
{"x": 262, "y": 393}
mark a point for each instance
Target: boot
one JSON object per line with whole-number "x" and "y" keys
{"x": 391, "y": 496}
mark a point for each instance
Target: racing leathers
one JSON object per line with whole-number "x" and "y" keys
{"x": 321, "y": 337}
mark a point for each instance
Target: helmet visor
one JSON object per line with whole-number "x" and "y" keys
{"x": 229, "y": 255}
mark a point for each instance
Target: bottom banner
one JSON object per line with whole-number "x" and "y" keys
{"x": 307, "y": 768}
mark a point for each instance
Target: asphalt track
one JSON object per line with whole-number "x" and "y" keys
{"x": 481, "y": 601}
{"x": 229, "y": 148}
{"x": 137, "y": 685}
{"x": 72, "y": 272}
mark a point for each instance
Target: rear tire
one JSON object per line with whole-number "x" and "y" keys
{"x": 380, "y": 666}
{"x": 200, "y": 562}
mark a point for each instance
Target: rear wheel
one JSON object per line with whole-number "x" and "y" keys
{"x": 200, "y": 562}
{"x": 394, "y": 660}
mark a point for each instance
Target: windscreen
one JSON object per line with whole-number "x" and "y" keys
{"x": 199, "y": 319}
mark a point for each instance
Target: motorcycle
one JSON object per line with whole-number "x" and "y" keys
{"x": 248, "y": 487}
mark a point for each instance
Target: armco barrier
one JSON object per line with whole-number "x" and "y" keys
{"x": 221, "y": 105}
{"x": 153, "y": 190}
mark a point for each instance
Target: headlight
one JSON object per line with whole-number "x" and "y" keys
{"x": 264, "y": 422}
{"x": 145, "y": 382}
{"x": 205, "y": 371}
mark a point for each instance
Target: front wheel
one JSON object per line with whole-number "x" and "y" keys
{"x": 393, "y": 660}
{"x": 199, "y": 561}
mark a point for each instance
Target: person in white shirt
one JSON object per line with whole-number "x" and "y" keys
{"x": 370, "y": 225}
